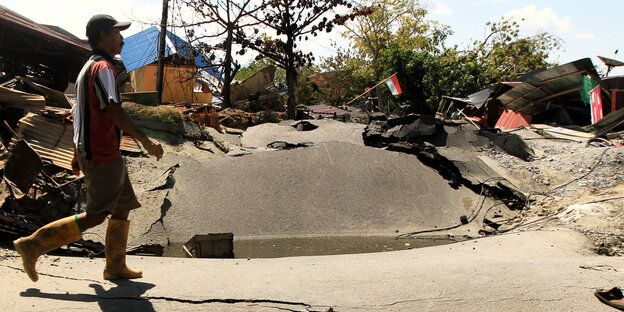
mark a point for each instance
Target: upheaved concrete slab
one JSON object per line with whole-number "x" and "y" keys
{"x": 330, "y": 188}
{"x": 328, "y": 131}
{"x": 530, "y": 271}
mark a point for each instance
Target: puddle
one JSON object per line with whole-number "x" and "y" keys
{"x": 317, "y": 246}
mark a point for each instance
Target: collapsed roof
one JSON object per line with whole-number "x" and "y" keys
{"x": 23, "y": 41}
{"x": 559, "y": 86}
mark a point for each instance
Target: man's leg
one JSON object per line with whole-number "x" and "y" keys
{"x": 116, "y": 242}
{"x": 52, "y": 236}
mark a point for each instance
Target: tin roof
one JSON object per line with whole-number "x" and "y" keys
{"x": 53, "y": 140}
{"x": 562, "y": 83}
{"x": 141, "y": 49}
{"x": 512, "y": 120}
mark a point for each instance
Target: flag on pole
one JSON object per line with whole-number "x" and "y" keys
{"x": 393, "y": 84}
{"x": 596, "y": 105}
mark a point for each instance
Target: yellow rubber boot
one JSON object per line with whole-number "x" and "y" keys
{"x": 47, "y": 238}
{"x": 115, "y": 249}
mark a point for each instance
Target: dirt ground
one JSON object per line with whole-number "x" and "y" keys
{"x": 572, "y": 185}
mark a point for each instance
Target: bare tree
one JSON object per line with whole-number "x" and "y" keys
{"x": 231, "y": 17}
{"x": 296, "y": 20}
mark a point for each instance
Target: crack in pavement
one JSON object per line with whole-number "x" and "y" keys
{"x": 164, "y": 208}
{"x": 229, "y": 301}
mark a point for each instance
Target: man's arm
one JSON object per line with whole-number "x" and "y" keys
{"x": 121, "y": 119}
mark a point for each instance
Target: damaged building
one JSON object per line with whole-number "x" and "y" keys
{"x": 187, "y": 77}
{"x": 559, "y": 96}
{"x": 47, "y": 52}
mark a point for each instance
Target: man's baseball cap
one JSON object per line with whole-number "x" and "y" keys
{"x": 102, "y": 22}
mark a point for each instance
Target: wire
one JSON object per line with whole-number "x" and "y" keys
{"x": 473, "y": 215}
{"x": 476, "y": 211}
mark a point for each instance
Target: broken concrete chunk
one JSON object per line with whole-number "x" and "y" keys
{"x": 305, "y": 126}
{"x": 377, "y": 116}
{"x": 281, "y": 145}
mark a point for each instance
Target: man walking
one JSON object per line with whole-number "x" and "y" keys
{"x": 98, "y": 122}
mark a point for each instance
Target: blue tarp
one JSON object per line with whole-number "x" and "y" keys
{"x": 141, "y": 49}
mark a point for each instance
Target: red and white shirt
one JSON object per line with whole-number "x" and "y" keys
{"x": 95, "y": 136}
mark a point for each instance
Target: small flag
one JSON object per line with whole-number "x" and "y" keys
{"x": 393, "y": 84}
{"x": 596, "y": 105}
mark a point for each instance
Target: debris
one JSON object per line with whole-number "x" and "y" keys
{"x": 21, "y": 169}
{"x": 239, "y": 119}
{"x": 210, "y": 246}
{"x": 257, "y": 92}
{"x": 326, "y": 111}
{"x": 305, "y": 126}
{"x": 147, "y": 249}
{"x": 53, "y": 139}
{"x": 52, "y": 97}
{"x": 511, "y": 120}
{"x": 562, "y": 133}
{"x": 21, "y": 100}
{"x": 281, "y": 145}
{"x": 169, "y": 179}
{"x": 608, "y": 123}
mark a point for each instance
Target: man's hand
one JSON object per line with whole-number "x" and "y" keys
{"x": 154, "y": 148}
{"x": 75, "y": 166}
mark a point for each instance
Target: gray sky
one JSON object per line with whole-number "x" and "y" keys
{"x": 587, "y": 28}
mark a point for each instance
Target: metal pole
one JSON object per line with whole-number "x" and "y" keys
{"x": 161, "y": 50}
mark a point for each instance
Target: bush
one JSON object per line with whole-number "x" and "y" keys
{"x": 164, "y": 114}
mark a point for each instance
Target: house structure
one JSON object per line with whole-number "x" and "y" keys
{"x": 47, "y": 51}
{"x": 556, "y": 95}
{"x": 186, "y": 71}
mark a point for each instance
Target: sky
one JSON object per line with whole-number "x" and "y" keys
{"x": 587, "y": 28}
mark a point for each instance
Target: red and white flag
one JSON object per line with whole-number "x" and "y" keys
{"x": 393, "y": 84}
{"x": 596, "y": 105}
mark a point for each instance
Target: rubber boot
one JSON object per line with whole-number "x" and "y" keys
{"x": 47, "y": 238}
{"x": 115, "y": 249}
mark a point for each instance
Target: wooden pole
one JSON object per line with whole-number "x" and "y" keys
{"x": 161, "y": 49}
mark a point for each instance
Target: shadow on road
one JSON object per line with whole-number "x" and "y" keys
{"x": 125, "y": 296}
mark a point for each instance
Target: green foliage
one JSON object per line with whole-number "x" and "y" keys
{"x": 504, "y": 55}
{"x": 394, "y": 24}
{"x": 343, "y": 78}
{"x": 425, "y": 76}
{"x": 308, "y": 92}
{"x": 168, "y": 115}
{"x": 256, "y": 65}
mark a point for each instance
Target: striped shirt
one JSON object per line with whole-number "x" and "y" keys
{"x": 95, "y": 136}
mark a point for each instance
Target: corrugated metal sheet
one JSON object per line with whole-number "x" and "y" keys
{"x": 563, "y": 82}
{"x": 141, "y": 49}
{"x": 53, "y": 140}
{"x": 512, "y": 120}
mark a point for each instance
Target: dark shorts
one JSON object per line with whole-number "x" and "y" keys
{"x": 108, "y": 186}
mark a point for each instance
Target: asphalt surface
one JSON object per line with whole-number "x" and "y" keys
{"x": 530, "y": 271}
{"x": 329, "y": 188}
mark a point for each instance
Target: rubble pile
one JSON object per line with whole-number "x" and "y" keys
{"x": 257, "y": 93}
{"x": 450, "y": 147}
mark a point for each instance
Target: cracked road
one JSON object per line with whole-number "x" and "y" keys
{"x": 534, "y": 270}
